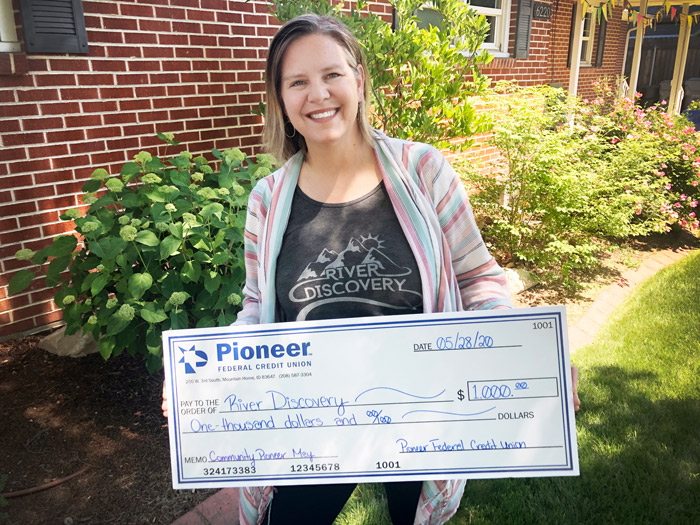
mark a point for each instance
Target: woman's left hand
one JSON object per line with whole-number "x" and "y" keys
{"x": 574, "y": 387}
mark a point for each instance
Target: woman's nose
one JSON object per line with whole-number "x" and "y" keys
{"x": 318, "y": 91}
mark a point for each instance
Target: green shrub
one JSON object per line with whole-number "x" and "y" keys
{"x": 422, "y": 78}
{"x": 535, "y": 202}
{"x": 160, "y": 247}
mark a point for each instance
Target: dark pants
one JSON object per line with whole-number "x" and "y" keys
{"x": 321, "y": 504}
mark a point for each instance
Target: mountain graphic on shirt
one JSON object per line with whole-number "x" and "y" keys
{"x": 356, "y": 253}
{"x": 316, "y": 268}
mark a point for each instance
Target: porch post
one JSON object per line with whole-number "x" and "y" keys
{"x": 636, "y": 58}
{"x": 674, "y": 104}
{"x": 576, "y": 49}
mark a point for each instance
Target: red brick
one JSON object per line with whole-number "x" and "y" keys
{"x": 18, "y": 110}
{"x": 65, "y": 201}
{"x": 105, "y": 37}
{"x": 189, "y": 52}
{"x": 108, "y": 65}
{"x": 155, "y": 26}
{"x": 163, "y": 78}
{"x": 109, "y": 8}
{"x": 30, "y": 166}
{"x": 12, "y": 126}
{"x": 102, "y": 106}
{"x": 36, "y": 95}
{"x": 196, "y": 101}
{"x": 122, "y": 143}
{"x": 136, "y": 78}
{"x": 177, "y": 65}
{"x": 166, "y": 102}
{"x": 22, "y": 139}
{"x": 134, "y": 105}
{"x": 135, "y": 10}
{"x": 203, "y": 40}
{"x": 42, "y": 152}
{"x": 229, "y": 18}
{"x": 179, "y": 90}
{"x": 65, "y": 136}
{"x": 152, "y": 116}
{"x": 57, "y": 228}
{"x": 79, "y": 93}
{"x": 16, "y": 328}
{"x": 186, "y": 27}
{"x": 120, "y": 23}
{"x": 141, "y": 38}
{"x": 158, "y": 52}
{"x": 87, "y": 147}
{"x": 42, "y": 123}
{"x": 101, "y": 133}
{"x": 100, "y": 159}
{"x": 117, "y": 92}
{"x": 124, "y": 51}
{"x": 144, "y": 65}
{"x": 72, "y": 161}
{"x": 75, "y": 121}
{"x": 19, "y": 235}
{"x": 69, "y": 64}
{"x": 206, "y": 65}
{"x": 53, "y": 176}
{"x": 37, "y": 64}
{"x": 55, "y": 80}
{"x": 199, "y": 14}
{"x": 140, "y": 129}
{"x": 118, "y": 118}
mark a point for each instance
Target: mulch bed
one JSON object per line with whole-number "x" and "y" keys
{"x": 59, "y": 415}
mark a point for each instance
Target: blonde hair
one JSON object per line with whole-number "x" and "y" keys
{"x": 283, "y": 144}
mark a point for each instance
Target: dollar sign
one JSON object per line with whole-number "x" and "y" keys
{"x": 460, "y": 394}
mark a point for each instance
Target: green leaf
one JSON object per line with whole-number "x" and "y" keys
{"x": 212, "y": 280}
{"x": 220, "y": 258}
{"x": 63, "y": 245}
{"x": 107, "y": 248}
{"x": 91, "y": 186}
{"x": 20, "y": 281}
{"x": 130, "y": 200}
{"x": 226, "y": 176}
{"x": 176, "y": 230}
{"x": 180, "y": 178}
{"x": 98, "y": 284}
{"x": 211, "y": 209}
{"x": 191, "y": 271}
{"x": 139, "y": 283}
{"x": 178, "y": 320}
{"x": 129, "y": 171}
{"x": 154, "y": 362}
{"x": 147, "y": 237}
{"x": 169, "y": 246}
{"x": 59, "y": 264}
{"x": 116, "y": 325}
{"x": 152, "y": 313}
{"x": 106, "y": 347}
{"x": 155, "y": 196}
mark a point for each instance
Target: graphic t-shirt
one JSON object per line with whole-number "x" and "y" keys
{"x": 345, "y": 260}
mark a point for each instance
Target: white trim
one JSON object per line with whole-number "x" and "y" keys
{"x": 588, "y": 41}
{"x": 501, "y": 31}
{"x": 8, "y": 31}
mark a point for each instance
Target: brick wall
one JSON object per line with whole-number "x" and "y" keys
{"x": 190, "y": 67}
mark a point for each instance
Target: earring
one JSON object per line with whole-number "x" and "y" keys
{"x": 294, "y": 131}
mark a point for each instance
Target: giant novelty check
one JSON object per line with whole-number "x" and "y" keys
{"x": 410, "y": 397}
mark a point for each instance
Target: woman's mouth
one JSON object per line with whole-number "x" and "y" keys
{"x": 324, "y": 114}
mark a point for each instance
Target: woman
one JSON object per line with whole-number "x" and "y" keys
{"x": 345, "y": 187}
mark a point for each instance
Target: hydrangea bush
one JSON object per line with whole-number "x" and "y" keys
{"x": 160, "y": 247}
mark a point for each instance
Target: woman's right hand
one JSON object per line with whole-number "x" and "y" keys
{"x": 164, "y": 405}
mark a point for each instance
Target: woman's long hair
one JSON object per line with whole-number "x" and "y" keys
{"x": 279, "y": 136}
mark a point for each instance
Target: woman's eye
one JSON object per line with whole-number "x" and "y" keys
{"x": 333, "y": 75}
{"x": 297, "y": 83}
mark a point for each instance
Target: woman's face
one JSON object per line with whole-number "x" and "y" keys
{"x": 320, "y": 91}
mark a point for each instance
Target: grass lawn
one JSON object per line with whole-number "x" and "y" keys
{"x": 638, "y": 428}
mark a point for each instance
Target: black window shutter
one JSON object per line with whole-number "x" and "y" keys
{"x": 571, "y": 37}
{"x": 601, "y": 42}
{"x": 53, "y": 26}
{"x": 523, "y": 28}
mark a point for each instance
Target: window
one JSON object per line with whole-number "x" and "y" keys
{"x": 496, "y": 12}
{"x": 587, "y": 38}
{"x": 8, "y": 32}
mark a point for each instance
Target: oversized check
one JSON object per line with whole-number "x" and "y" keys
{"x": 410, "y": 397}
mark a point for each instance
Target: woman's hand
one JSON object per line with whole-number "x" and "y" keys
{"x": 574, "y": 387}
{"x": 164, "y": 405}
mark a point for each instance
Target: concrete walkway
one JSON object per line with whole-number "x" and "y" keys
{"x": 222, "y": 507}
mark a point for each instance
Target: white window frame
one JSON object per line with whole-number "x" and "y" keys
{"x": 499, "y": 47}
{"x": 588, "y": 42}
{"x": 8, "y": 32}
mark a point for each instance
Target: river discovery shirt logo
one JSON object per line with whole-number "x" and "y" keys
{"x": 192, "y": 359}
{"x": 347, "y": 277}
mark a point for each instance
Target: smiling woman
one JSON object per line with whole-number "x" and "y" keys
{"x": 354, "y": 224}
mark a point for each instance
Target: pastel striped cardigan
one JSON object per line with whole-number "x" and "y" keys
{"x": 457, "y": 272}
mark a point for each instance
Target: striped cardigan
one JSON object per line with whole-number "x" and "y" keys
{"x": 457, "y": 272}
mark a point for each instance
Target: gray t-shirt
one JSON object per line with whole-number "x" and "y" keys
{"x": 345, "y": 260}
